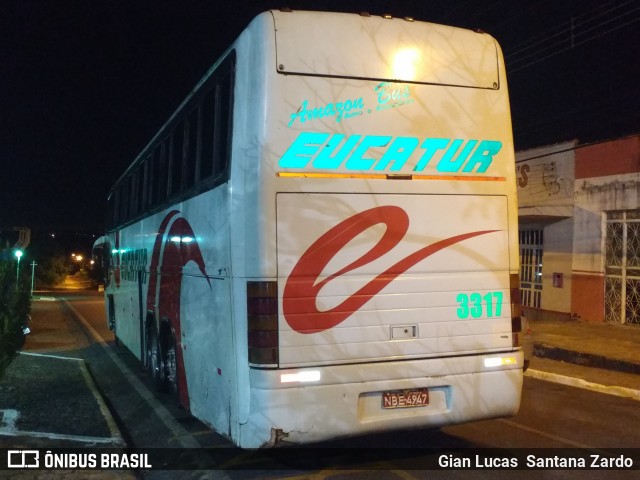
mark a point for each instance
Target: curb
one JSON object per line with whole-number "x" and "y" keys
{"x": 585, "y": 359}
{"x": 584, "y": 384}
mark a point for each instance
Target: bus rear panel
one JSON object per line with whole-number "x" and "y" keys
{"x": 387, "y": 233}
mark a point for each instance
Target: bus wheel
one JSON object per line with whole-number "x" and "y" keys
{"x": 148, "y": 351}
{"x": 154, "y": 356}
{"x": 172, "y": 367}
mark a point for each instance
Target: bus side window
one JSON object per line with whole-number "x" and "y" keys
{"x": 161, "y": 170}
{"x": 133, "y": 183}
{"x": 191, "y": 150}
{"x": 140, "y": 189}
{"x": 146, "y": 182}
{"x": 224, "y": 102}
{"x": 207, "y": 135}
{"x": 136, "y": 192}
{"x": 124, "y": 200}
{"x": 177, "y": 154}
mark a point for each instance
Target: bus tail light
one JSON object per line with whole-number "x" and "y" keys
{"x": 262, "y": 323}
{"x": 516, "y": 310}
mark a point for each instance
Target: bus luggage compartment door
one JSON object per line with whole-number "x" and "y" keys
{"x": 366, "y": 277}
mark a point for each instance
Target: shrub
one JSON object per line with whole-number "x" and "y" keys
{"x": 51, "y": 270}
{"x": 15, "y": 304}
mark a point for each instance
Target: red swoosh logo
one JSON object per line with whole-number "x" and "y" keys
{"x": 302, "y": 287}
{"x": 168, "y": 286}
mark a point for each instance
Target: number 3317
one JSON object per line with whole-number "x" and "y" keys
{"x": 475, "y": 305}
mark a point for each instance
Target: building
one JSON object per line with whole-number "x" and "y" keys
{"x": 579, "y": 209}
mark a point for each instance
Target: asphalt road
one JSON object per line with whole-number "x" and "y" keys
{"x": 74, "y": 326}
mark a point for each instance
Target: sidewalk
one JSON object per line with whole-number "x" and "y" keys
{"x": 603, "y": 354}
{"x": 53, "y": 400}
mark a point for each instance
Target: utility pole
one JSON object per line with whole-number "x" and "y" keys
{"x": 33, "y": 271}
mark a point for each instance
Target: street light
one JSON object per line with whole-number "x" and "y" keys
{"x": 18, "y": 254}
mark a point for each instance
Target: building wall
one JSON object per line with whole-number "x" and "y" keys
{"x": 615, "y": 157}
{"x": 557, "y": 278}
{"x": 587, "y": 296}
{"x": 607, "y": 179}
{"x": 566, "y": 190}
{"x": 545, "y": 201}
{"x": 546, "y": 176}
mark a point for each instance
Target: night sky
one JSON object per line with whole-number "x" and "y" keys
{"x": 84, "y": 85}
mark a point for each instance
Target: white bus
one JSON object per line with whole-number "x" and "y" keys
{"x": 322, "y": 240}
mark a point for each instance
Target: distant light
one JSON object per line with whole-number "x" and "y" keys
{"x": 18, "y": 254}
{"x": 175, "y": 239}
{"x": 187, "y": 239}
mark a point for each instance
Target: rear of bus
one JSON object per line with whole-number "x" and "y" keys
{"x": 383, "y": 294}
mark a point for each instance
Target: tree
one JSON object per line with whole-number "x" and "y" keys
{"x": 15, "y": 305}
{"x": 52, "y": 270}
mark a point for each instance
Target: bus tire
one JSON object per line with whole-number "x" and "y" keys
{"x": 171, "y": 367}
{"x": 156, "y": 362}
{"x": 146, "y": 361}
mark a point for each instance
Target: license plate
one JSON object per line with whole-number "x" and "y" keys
{"x": 405, "y": 398}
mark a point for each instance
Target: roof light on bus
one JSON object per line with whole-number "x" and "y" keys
{"x": 405, "y": 63}
{"x": 177, "y": 239}
{"x": 499, "y": 361}
{"x": 301, "y": 377}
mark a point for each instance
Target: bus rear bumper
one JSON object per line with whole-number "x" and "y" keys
{"x": 314, "y": 404}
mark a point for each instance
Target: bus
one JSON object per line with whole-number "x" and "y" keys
{"x": 322, "y": 240}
